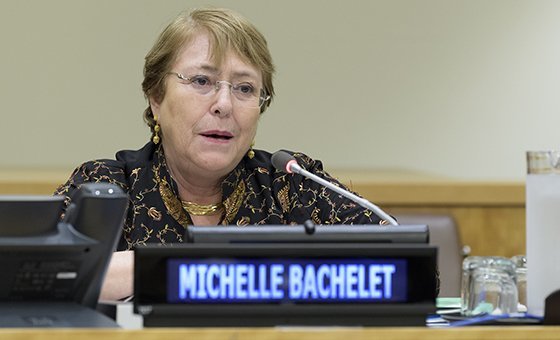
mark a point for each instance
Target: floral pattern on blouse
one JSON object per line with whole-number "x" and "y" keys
{"x": 254, "y": 193}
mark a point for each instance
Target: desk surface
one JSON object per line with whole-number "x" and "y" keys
{"x": 389, "y": 333}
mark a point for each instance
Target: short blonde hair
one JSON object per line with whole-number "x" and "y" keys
{"x": 226, "y": 30}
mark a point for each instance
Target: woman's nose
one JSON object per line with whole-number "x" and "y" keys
{"x": 223, "y": 99}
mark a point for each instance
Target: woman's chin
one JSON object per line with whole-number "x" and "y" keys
{"x": 217, "y": 164}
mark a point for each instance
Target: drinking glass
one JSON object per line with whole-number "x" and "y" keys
{"x": 520, "y": 262}
{"x": 501, "y": 265}
{"x": 493, "y": 291}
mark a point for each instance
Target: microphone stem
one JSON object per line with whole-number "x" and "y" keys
{"x": 359, "y": 200}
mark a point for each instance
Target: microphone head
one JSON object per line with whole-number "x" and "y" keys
{"x": 282, "y": 161}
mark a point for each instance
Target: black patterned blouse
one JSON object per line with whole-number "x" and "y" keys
{"x": 254, "y": 193}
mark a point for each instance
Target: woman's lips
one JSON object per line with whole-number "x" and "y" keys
{"x": 217, "y": 136}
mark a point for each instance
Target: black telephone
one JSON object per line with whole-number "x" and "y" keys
{"x": 97, "y": 211}
{"x": 54, "y": 267}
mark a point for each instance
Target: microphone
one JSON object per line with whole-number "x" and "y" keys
{"x": 285, "y": 162}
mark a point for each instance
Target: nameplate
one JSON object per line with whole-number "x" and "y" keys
{"x": 268, "y": 284}
{"x": 296, "y": 280}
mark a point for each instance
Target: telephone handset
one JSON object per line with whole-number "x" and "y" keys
{"x": 97, "y": 211}
{"x": 95, "y": 207}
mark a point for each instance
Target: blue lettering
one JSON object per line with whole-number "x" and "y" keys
{"x": 201, "y": 272}
{"x": 351, "y": 281}
{"x": 388, "y": 271}
{"x": 253, "y": 292}
{"x": 381, "y": 275}
{"x": 212, "y": 274}
{"x": 187, "y": 281}
{"x": 265, "y": 293}
{"x": 241, "y": 281}
{"x": 295, "y": 281}
{"x": 337, "y": 282}
{"x": 227, "y": 280}
{"x": 311, "y": 280}
{"x": 363, "y": 293}
{"x": 323, "y": 275}
{"x": 374, "y": 281}
{"x": 309, "y": 283}
{"x": 277, "y": 281}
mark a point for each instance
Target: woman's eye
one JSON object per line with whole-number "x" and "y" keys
{"x": 200, "y": 81}
{"x": 245, "y": 88}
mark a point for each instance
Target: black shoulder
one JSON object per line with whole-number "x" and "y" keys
{"x": 115, "y": 171}
{"x": 136, "y": 158}
{"x": 102, "y": 170}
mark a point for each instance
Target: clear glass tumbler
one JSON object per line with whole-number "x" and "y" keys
{"x": 471, "y": 264}
{"x": 493, "y": 291}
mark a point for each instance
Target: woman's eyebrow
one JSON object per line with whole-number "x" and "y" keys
{"x": 214, "y": 70}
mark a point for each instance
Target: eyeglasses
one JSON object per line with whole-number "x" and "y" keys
{"x": 245, "y": 93}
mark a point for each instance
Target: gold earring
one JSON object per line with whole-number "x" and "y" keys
{"x": 251, "y": 152}
{"x": 155, "y": 137}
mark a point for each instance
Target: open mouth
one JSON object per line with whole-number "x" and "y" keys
{"x": 217, "y": 135}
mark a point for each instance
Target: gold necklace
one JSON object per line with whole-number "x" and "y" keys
{"x": 202, "y": 210}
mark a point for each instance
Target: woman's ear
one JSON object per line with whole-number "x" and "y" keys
{"x": 154, "y": 105}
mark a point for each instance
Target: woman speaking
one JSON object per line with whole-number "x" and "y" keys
{"x": 207, "y": 80}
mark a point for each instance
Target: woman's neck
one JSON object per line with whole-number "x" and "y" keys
{"x": 201, "y": 194}
{"x": 193, "y": 188}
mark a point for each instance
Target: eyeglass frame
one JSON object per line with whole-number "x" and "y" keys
{"x": 263, "y": 97}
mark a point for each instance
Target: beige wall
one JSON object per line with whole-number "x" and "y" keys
{"x": 457, "y": 88}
